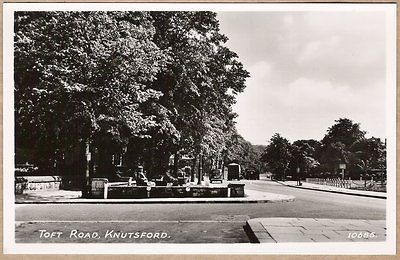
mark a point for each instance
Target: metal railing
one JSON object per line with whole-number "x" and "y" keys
{"x": 340, "y": 183}
{"x": 372, "y": 184}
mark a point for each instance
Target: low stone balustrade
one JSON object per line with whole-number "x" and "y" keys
{"x": 37, "y": 183}
{"x": 101, "y": 188}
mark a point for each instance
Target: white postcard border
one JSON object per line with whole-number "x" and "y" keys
{"x": 360, "y": 248}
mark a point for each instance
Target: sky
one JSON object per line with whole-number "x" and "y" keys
{"x": 308, "y": 69}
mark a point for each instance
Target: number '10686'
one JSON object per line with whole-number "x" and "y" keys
{"x": 361, "y": 235}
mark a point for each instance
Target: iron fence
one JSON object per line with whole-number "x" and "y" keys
{"x": 348, "y": 183}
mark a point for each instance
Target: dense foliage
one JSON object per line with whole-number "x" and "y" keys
{"x": 81, "y": 75}
{"x": 152, "y": 83}
{"x": 344, "y": 143}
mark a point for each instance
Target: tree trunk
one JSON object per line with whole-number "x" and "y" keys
{"x": 176, "y": 163}
{"x": 86, "y": 163}
{"x": 193, "y": 168}
{"x": 150, "y": 167}
{"x": 161, "y": 162}
{"x": 223, "y": 169}
{"x": 200, "y": 170}
{"x": 164, "y": 163}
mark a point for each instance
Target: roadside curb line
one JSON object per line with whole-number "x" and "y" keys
{"x": 333, "y": 191}
{"x": 256, "y": 232}
{"x": 145, "y": 201}
{"x": 251, "y": 235}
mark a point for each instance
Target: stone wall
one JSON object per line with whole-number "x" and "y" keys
{"x": 125, "y": 191}
{"x": 138, "y": 192}
{"x": 38, "y": 183}
{"x": 236, "y": 189}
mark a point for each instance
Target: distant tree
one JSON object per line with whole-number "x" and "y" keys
{"x": 303, "y": 156}
{"x": 277, "y": 156}
{"x": 344, "y": 131}
{"x": 336, "y": 144}
{"x": 344, "y": 143}
{"x": 312, "y": 146}
{"x": 240, "y": 151}
{"x": 258, "y": 151}
{"x": 246, "y": 157}
{"x": 369, "y": 154}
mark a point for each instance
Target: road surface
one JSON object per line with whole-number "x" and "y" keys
{"x": 181, "y": 223}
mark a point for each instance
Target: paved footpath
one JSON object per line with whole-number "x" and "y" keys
{"x": 278, "y": 230}
{"x": 327, "y": 188}
{"x": 72, "y": 197}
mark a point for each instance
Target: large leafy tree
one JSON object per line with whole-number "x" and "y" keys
{"x": 345, "y": 131}
{"x": 240, "y": 151}
{"x": 369, "y": 154}
{"x": 277, "y": 156}
{"x": 303, "y": 156}
{"x": 165, "y": 81}
{"x": 195, "y": 84}
{"x": 81, "y": 75}
{"x": 337, "y": 142}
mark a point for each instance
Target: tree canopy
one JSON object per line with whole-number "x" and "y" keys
{"x": 163, "y": 80}
{"x": 79, "y": 73}
{"x": 277, "y": 156}
{"x": 344, "y": 143}
{"x": 369, "y": 154}
{"x": 303, "y": 156}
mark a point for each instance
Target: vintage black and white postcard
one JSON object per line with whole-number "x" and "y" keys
{"x": 199, "y": 128}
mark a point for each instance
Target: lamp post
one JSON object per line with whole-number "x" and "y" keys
{"x": 298, "y": 176}
{"x": 200, "y": 170}
{"x": 342, "y": 166}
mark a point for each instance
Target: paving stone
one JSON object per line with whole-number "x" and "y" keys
{"x": 339, "y": 238}
{"x": 257, "y": 227}
{"x": 310, "y": 222}
{"x": 352, "y": 231}
{"x": 355, "y": 229}
{"x": 302, "y": 220}
{"x": 283, "y": 230}
{"x": 324, "y": 221}
{"x": 357, "y": 222}
{"x": 313, "y": 224}
{"x": 287, "y": 238}
{"x": 329, "y": 233}
{"x": 309, "y": 227}
{"x": 346, "y": 221}
{"x": 279, "y": 220}
{"x": 319, "y": 238}
{"x": 283, "y": 225}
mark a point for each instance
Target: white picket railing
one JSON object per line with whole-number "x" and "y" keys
{"x": 371, "y": 184}
{"x": 340, "y": 183}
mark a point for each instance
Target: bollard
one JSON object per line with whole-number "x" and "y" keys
{"x": 229, "y": 192}
{"x": 148, "y": 191}
{"x": 97, "y": 187}
{"x": 105, "y": 190}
